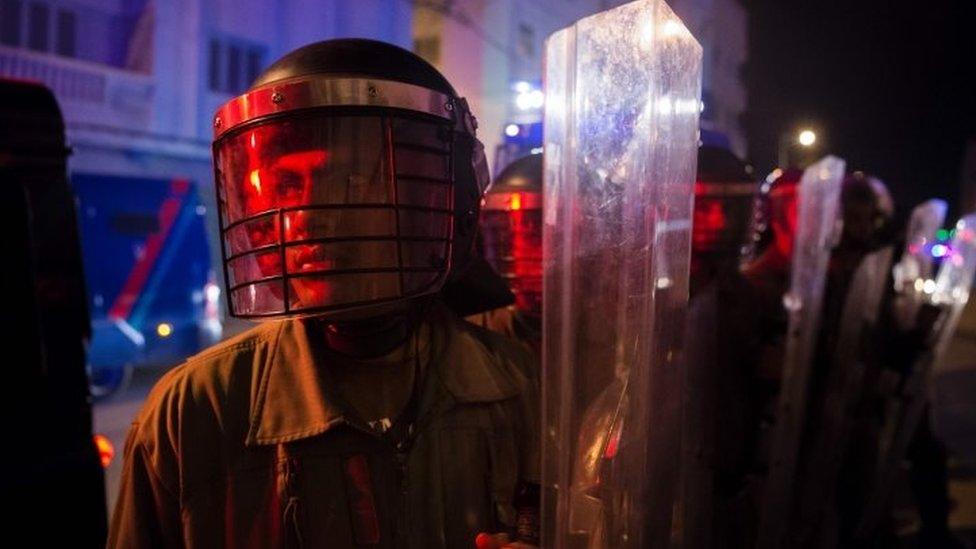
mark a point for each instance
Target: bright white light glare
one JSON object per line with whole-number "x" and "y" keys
{"x": 665, "y": 105}
{"x": 664, "y": 283}
{"x": 671, "y": 28}
{"x": 919, "y": 284}
{"x": 212, "y": 291}
{"x": 512, "y": 130}
{"x": 929, "y": 286}
{"x": 807, "y": 138}
{"x": 528, "y": 98}
{"x": 522, "y": 87}
{"x": 701, "y": 106}
{"x": 687, "y": 106}
{"x": 536, "y": 99}
{"x": 537, "y": 150}
{"x": 792, "y": 302}
{"x": 939, "y": 250}
{"x": 647, "y": 33}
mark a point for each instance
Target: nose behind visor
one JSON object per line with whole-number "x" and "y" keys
{"x": 326, "y": 213}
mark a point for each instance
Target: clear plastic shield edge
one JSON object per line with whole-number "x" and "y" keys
{"x": 817, "y": 232}
{"x": 914, "y": 267}
{"x": 915, "y": 263}
{"x": 950, "y": 294}
{"x": 621, "y": 134}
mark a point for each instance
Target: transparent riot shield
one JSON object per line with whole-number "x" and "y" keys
{"x": 848, "y": 364}
{"x": 621, "y": 132}
{"x": 915, "y": 265}
{"x": 817, "y": 233}
{"x": 853, "y": 371}
{"x": 700, "y": 397}
{"x": 947, "y": 296}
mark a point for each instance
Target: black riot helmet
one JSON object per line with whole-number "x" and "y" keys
{"x": 349, "y": 180}
{"x": 867, "y": 210}
{"x": 512, "y": 231}
{"x": 724, "y": 196}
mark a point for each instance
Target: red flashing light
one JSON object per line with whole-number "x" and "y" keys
{"x": 516, "y": 203}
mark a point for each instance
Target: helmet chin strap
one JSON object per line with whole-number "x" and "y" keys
{"x": 377, "y": 336}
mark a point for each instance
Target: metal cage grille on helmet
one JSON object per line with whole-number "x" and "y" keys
{"x": 333, "y": 211}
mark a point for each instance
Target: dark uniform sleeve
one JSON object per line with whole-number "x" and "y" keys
{"x": 147, "y": 513}
{"x": 531, "y": 403}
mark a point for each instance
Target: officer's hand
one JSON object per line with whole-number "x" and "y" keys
{"x": 499, "y": 541}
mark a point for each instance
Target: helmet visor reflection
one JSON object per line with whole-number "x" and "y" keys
{"x": 328, "y": 213}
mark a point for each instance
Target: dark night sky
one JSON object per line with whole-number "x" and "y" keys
{"x": 888, "y": 84}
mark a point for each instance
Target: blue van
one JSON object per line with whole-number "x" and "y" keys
{"x": 152, "y": 291}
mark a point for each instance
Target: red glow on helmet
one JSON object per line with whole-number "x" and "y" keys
{"x": 783, "y": 210}
{"x": 512, "y": 231}
{"x": 527, "y": 252}
{"x": 358, "y": 195}
{"x": 513, "y": 242}
{"x": 708, "y": 224}
{"x": 516, "y": 203}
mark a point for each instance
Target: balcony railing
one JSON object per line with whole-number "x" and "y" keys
{"x": 88, "y": 92}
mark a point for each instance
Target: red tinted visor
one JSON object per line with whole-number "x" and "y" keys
{"x": 722, "y": 214}
{"x": 328, "y": 213}
{"x": 513, "y": 245}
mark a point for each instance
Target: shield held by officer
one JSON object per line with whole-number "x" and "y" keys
{"x": 943, "y": 300}
{"x": 816, "y": 235}
{"x": 915, "y": 265}
{"x": 623, "y": 90}
{"x": 847, "y": 359}
{"x": 720, "y": 414}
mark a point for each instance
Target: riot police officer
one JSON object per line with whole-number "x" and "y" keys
{"x": 512, "y": 241}
{"x": 720, "y": 407}
{"x": 349, "y": 180}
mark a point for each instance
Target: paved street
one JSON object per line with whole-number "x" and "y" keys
{"x": 955, "y": 422}
{"x": 112, "y": 419}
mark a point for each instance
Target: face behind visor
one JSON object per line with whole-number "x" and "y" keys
{"x": 512, "y": 231}
{"x": 342, "y": 196}
{"x": 724, "y": 197}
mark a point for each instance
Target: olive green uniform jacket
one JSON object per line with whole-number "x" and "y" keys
{"x": 248, "y": 445}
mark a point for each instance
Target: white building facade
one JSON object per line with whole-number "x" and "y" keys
{"x": 486, "y": 47}
{"x": 138, "y": 80}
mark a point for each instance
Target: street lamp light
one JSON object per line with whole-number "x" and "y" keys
{"x": 788, "y": 141}
{"x": 807, "y": 138}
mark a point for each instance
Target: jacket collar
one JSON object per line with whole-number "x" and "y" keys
{"x": 294, "y": 399}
